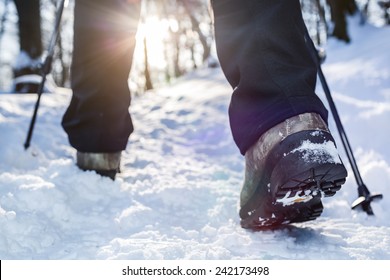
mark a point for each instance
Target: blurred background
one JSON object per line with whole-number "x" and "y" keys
{"x": 174, "y": 36}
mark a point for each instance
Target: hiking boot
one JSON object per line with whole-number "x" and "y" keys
{"x": 288, "y": 171}
{"x": 105, "y": 164}
{"x": 27, "y": 73}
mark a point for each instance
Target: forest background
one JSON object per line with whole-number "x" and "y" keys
{"x": 174, "y": 36}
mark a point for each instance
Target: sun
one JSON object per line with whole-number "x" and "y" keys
{"x": 156, "y": 32}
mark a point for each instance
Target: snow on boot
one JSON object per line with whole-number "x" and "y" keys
{"x": 105, "y": 164}
{"x": 288, "y": 171}
{"x": 28, "y": 75}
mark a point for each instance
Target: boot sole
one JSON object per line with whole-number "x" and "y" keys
{"x": 297, "y": 198}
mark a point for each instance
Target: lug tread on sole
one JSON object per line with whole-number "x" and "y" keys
{"x": 303, "y": 210}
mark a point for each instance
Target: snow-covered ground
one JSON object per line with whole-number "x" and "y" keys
{"x": 177, "y": 197}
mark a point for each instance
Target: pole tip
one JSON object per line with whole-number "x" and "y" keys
{"x": 364, "y": 203}
{"x": 26, "y": 146}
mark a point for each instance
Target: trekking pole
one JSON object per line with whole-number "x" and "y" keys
{"x": 46, "y": 68}
{"x": 365, "y": 197}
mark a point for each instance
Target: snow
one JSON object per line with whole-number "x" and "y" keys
{"x": 23, "y": 60}
{"x": 324, "y": 152}
{"x": 177, "y": 197}
{"x": 288, "y": 199}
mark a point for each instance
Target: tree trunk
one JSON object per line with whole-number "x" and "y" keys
{"x": 148, "y": 80}
{"x": 385, "y": 5}
{"x": 339, "y": 10}
{"x": 321, "y": 20}
{"x": 195, "y": 26}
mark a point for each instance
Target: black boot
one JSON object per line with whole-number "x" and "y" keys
{"x": 288, "y": 171}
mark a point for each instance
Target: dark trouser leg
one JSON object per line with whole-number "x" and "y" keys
{"x": 263, "y": 54}
{"x": 29, "y": 27}
{"x": 98, "y": 120}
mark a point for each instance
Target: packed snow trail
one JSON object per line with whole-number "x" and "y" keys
{"x": 177, "y": 197}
